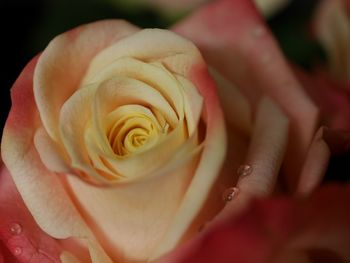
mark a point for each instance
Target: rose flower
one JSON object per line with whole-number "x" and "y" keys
{"x": 118, "y": 146}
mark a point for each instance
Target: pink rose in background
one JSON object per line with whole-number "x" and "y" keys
{"x": 329, "y": 84}
{"x": 116, "y": 143}
{"x": 279, "y": 230}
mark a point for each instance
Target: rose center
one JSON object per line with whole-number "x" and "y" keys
{"x": 133, "y": 133}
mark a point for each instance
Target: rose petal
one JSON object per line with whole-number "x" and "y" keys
{"x": 66, "y": 257}
{"x": 265, "y": 155}
{"x": 315, "y": 165}
{"x": 130, "y": 221}
{"x": 234, "y": 39}
{"x": 64, "y": 62}
{"x": 207, "y": 174}
{"x": 18, "y": 230}
{"x": 330, "y": 95}
{"x": 50, "y": 154}
{"x": 38, "y": 187}
{"x": 279, "y": 230}
{"x": 177, "y": 54}
{"x": 6, "y": 256}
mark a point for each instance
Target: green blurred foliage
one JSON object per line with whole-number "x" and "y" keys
{"x": 292, "y": 28}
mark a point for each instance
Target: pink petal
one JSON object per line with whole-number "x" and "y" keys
{"x": 265, "y": 155}
{"x": 234, "y": 39}
{"x": 38, "y": 187}
{"x": 315, "y": 165}
{"x": 5, "y": 255}
{"x": 330, "y": 95}
{"x": 274, "y": 230}
{"x": 18, "y": 230}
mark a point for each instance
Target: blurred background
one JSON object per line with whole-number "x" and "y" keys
{"x": 29, "y": 25}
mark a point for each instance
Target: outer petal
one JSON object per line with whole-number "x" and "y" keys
{"x": 330, "y": 95}
{"x": 38, "y": 187}
{"x": 265, "y": 154}
{"x": 18, "y": 230}
{"x": 6, "y": 256}
{"x": 234, "y": 40}
{"x": 279, "y": 230}
{"x": 206, "y": 177}
{"x": 315, "y": 165}
{"x": 64, "y": 62}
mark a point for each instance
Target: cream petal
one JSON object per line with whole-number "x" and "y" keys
{"x": 120, "y": 91}
{"x": 63, "y": 63}
{"x": 67, "y": 257}
{"x": 75, "y": 115}
{"x": 130, "y": 221}
{"x": 130, "y": 109}
{"x": 153, "y": 74}
{"x": 193, "y": 104}
{"x": 145, "y": 163}
{"x": 173, "y": 51}
{"x": 96, "y": 157}
{"x": 50, "y": 154}
{"x": 205, "y": 176}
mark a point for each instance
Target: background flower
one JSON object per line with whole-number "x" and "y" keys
{"x": 315, "y": 229}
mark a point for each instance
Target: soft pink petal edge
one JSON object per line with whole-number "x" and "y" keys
{"x": 315, "y": 228}
{"x": 18, "y": 230}
{"x": 37, "y": 186}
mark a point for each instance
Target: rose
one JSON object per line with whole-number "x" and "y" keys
{"x": 249, "y": 66}
{"x": 115, "y": 112}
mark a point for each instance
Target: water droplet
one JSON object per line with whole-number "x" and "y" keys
{"x": 258, "y": 31}
{"x": 17, "y": 251}
{"x": 229, "y": 193}
{"x": 244, "y": 170}
{"x": 16, "y": 229}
